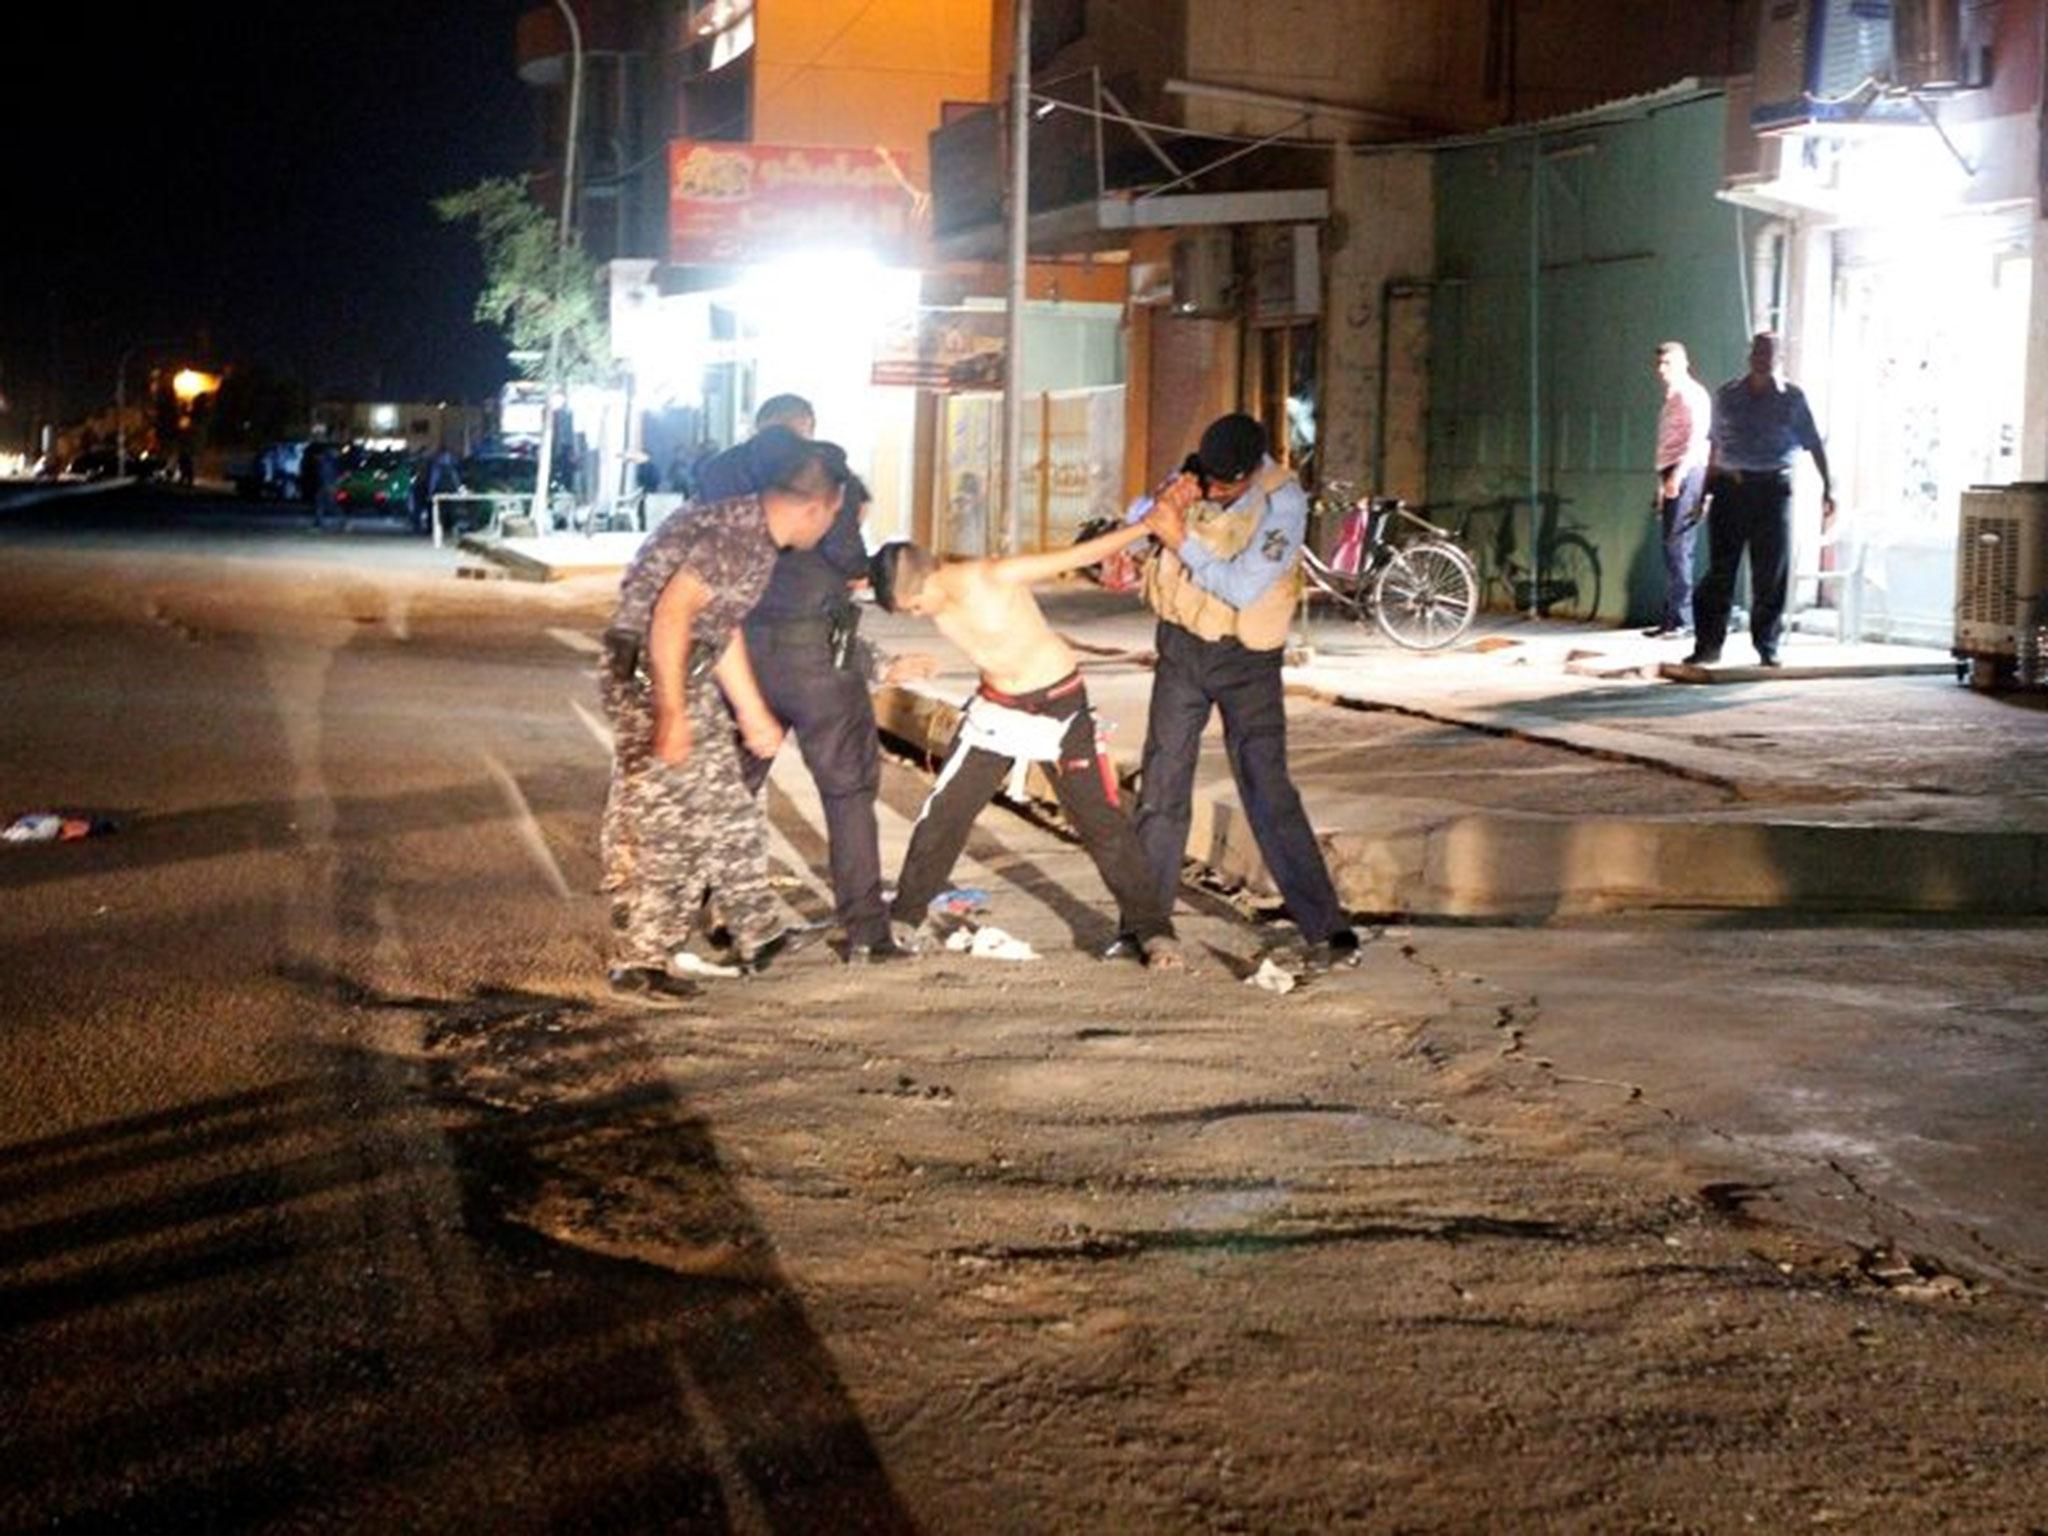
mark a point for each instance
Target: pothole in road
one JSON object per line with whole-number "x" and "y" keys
{"x": 1330, "y": 1139}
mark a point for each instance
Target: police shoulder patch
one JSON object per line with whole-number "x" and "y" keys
{"x": 1274, "y": 545}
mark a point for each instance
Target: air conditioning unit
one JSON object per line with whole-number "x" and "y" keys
{"x": 1205, "y": 274}
{"x": 2002, "y": 582}
{"x": 1840, "y": 64}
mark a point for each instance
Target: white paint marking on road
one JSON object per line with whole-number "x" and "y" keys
{"x": 391, "y": 955}
{"x": 527, "y": 828}
{"x": 599, "y": 731}
{"x": 789, "y": 776}
{"x": 576, "y": 640}
{"x": 398, "y": 616}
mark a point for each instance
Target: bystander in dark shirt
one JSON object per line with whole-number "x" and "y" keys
{"x": 1764, "y": 430}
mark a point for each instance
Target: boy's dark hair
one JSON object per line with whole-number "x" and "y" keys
{"x": 783, "y": 411}
{"x": 897, "y": 572}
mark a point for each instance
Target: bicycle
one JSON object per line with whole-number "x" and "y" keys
{"x": 1566, "y": 582}
{"x": 1394, "y": 567}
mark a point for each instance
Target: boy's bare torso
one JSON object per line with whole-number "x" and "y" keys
{"x": 1001, "y": 629}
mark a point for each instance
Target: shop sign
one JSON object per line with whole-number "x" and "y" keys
{"x": 735, "y": 203}
{"x": 944, "y": 349}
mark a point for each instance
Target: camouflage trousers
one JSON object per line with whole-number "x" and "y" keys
{"x": 671, "y": 834}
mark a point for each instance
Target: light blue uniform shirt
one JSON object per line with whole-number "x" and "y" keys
{"x": 1241, "y": 579}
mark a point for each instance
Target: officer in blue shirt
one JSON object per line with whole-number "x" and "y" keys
{"x": 1224, "y": 610}
{"x": 1760, "y": 425}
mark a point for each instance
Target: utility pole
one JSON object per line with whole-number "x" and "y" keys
{"x": 1020, "y": 257}
{"x": 544, "y": 465}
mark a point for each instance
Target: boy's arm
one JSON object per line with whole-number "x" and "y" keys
{"x": 1027, "y": 570}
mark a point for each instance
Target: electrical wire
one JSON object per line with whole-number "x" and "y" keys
{"x": 1178, "y": 132}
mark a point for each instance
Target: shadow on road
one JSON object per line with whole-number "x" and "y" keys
{"x": 239, "y": 1311}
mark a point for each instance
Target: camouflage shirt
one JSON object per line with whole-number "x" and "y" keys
{"x": 725, "y": 543}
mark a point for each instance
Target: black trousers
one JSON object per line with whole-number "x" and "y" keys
{"x": 1197, "y": 676}
{"x": 1085, "y": 785}
{"x": 1679, "y": 517}
{"x": 1752, "y": 513}
{"x": 828, "y": 710}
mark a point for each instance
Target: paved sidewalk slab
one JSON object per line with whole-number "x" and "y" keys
{"x": 1472, "y": 784}
{"x": 559, "y": 556}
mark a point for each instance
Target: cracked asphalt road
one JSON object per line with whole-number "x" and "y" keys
{"x": 332, "y": 1196}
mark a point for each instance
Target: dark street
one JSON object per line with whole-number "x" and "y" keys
{"x": 334, "y": 1196}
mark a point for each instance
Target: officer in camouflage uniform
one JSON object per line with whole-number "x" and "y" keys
{"x": 679, "y": 817}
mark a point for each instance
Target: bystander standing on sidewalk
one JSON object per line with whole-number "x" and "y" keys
{"x": 1760, "y": 424}
{"x": 1682, "y": 426}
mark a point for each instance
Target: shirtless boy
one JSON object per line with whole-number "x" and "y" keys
{"x": 1031, "y": 706}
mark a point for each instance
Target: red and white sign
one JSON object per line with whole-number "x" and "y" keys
{"x": 733, "y": 203}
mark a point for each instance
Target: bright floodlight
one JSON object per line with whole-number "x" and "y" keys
{"x": 188, "y": 384}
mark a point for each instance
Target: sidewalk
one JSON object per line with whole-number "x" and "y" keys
{"x": 1541, "y": 770}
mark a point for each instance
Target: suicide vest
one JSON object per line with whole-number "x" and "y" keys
{"x": 1172, "y": 592}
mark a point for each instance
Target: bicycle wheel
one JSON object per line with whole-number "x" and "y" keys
{"x": 1426, "y": 595}
{"x": 1570, "y": 588}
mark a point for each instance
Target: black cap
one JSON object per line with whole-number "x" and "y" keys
{"x": 1232, "y": 447}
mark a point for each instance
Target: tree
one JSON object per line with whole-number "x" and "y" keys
{"x": 530, "y": 286}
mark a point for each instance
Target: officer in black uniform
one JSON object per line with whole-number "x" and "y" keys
{"x": 800, "y": 637}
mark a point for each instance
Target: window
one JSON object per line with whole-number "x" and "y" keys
{"x": 1282, "y": 391}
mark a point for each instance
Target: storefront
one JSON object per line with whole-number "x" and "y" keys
{"x": 1899, "y": 264}
{"x": 789, "y": 268}
{"x": 1889, "y": 232}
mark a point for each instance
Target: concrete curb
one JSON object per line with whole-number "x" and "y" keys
{"x": 1507, "y": 866}
{"x": 1793, "y": 672}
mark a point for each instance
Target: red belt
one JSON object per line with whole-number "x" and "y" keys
{"x": 1069, "y": 684}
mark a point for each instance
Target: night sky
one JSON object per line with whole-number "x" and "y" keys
{"x": 258, "y": 173}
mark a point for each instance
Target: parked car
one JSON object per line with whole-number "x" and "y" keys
{"x": 501, "y": 474}
{"x": 271, "y": 473}
{"x": 505, "y": 474}
{"x": 374, "y": 482}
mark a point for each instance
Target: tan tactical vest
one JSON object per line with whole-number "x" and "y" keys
{"x": 1172, "y": 592}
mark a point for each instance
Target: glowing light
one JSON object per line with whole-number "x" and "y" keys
{"x": 384, "y": 418}
{"x": 188, "y": 384}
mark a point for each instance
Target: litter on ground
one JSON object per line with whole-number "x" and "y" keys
{"x": 50, "y": 827}
{"x": 989, "y": 944}
{"x": 1273, "y": 978}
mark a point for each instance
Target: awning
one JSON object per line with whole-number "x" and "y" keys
{"x": 1106, "y": 222}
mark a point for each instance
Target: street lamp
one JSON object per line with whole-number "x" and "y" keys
{"x": 544, "y": 466}
{"x": 188, "y": 384}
